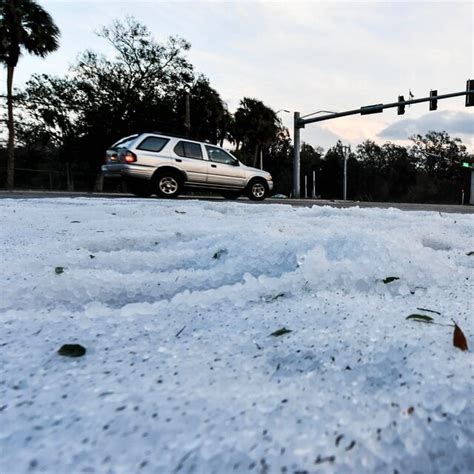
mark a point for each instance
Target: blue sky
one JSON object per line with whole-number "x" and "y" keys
{"x": 303, "y": 56}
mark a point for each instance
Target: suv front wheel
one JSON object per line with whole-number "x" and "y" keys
{"x": 168, "y": 185}
{"x": 257, "y": 190}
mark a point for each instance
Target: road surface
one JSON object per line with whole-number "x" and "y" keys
{"x": 466, "y": 209}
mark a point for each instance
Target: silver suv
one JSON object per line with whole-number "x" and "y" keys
{"x": 153, "y": 163}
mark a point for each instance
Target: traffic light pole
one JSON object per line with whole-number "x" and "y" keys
{"x": 365, "y": 110}
{"x": 296, "y": 157}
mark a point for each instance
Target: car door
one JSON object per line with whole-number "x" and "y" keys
{"x": 189, "y": 156}
{"x": 224, "y": 169}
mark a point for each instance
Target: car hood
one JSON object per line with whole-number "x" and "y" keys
{"x": 255, "y": 171}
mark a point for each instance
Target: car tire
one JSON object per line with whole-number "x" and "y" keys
{"x": 168, "y": 185}
{"x": 140, "y": 188}
{"x": 257, "y": 190}
{"x": 231, "y": 195}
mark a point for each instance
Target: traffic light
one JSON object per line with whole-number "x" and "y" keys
{"x": 470, "y": 97}
{"x": 433, "y": 102}
{"x": 401, "y": 107}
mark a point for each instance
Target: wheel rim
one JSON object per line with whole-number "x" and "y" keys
{"x": 258, "y": 190}
{"x": 168, "y": 185}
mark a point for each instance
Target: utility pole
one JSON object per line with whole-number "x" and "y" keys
{"x": 296, "y": 158}
{"x": 187, "y": 113}
{"x": 345, "y": 152}
{"x": 314, "y": 184}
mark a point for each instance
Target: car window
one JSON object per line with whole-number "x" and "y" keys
{"x": 124, "y": 142}
{"x": 220, "y": 156}
{"x": 155, "y": 144}
{"x": 188, "y": 150}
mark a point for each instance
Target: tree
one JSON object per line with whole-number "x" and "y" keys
{"x": 209, "y": 118}
{"x": 104, "y": 98}
{"x": 438, "y": 154}
{"x": 255, "y": 126}
{"x": 439, "y": 157}
{"x": 23, "y": 25}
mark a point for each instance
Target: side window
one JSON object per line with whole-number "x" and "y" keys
{"x": 220, "y": 156}
{"x": 155, "y": 144}
{"x": 188, "y": 150}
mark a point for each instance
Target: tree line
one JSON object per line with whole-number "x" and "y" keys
{"x": 63, "y": 125}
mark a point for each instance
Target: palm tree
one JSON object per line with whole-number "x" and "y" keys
{"x": 255, "y": 126}
{"x": 23, "y": 25}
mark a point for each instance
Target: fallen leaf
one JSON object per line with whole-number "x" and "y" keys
{"x": 72, "y": 350}
{"x": 421, "y": 318}
{"x": 351, "y": 445}
{"x": 270, "y": 298}
{"x": 321, "y": 459}
{"x": 280, "y": 332}
{"x": 459, "y": 339}
{"x": 59, "y": 270}
{"x": 219, "y": 254}
{"x": 390, "y": 279}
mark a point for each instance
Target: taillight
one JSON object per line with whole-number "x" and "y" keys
{"x": 130, "y": 157}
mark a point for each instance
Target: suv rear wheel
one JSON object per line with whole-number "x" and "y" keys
{"x": 168, "y": 185}
{"x": 257, "y": 190}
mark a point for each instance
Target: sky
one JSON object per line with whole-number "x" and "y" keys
{"x": 303, "y": 56}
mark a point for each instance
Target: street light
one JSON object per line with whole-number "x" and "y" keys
{"x": 319, "y": 112}
{"x": 345, "y": 151}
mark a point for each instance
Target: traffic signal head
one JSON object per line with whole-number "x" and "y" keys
{"x": 401, "y": 107}
{"x": 470, "y": 97}
{"x": 433, "y": 102}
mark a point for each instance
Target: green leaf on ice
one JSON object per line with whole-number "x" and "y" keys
{"x": 390, "y": 279}
{"x": 280, "y": 332}
{"x": 421, "y": 318}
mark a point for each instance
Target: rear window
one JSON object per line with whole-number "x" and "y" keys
{"x": 155, "y": 144}
{"x": 124, "y": 142}
{"x": 188, "y": 150}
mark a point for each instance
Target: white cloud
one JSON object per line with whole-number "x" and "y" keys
{"x": 455, "y": 123}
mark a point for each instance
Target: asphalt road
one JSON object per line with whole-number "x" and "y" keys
{"x": 466, "y": 209}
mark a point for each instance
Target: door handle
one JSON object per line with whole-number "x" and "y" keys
{"x": 213, "y": 166}
{"x": 178, "y": 160}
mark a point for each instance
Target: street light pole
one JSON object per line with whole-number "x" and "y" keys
{"x": 345, "y": 151}
{"x": 296, "y": 157}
